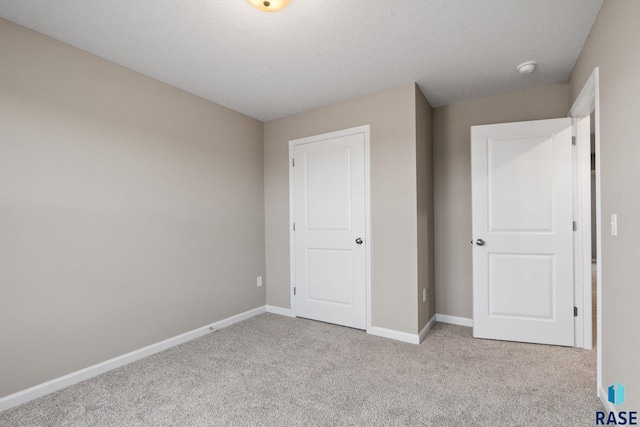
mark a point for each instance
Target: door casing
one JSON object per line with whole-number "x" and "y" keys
{"x": 582, "y": 236}
{"x": 587, "y": 102}
{"x": 365, "y": 129}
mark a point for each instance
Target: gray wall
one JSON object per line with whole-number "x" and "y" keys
{"x": 613, "y": 46}
{"x": 130, "y": 211}
{"x": 424, "y": 175}
{"x": 392, "y": 116}
{"x": 452, "y": 179}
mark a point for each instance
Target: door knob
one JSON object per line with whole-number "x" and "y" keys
{"x": 480, "y": 242}
{"x": 359, "y": 241}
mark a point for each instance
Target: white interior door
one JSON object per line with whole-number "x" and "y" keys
{"x": 522, "y": 232}
{"x": 329, "y": 205}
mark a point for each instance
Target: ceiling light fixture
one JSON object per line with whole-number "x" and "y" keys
{"x": 269, "y": 5}
{"x": 527, "y": 67}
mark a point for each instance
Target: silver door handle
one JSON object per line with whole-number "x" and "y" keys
{"x": 359, "y": 241}
{"x": 480, "y": 242}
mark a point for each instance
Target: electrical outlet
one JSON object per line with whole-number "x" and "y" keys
{"x": 424, "y": 295}
{"x": 259, "y": 282}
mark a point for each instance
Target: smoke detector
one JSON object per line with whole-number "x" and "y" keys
{"x": 527, "y": 67}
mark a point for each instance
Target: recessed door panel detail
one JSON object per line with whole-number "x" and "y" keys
{"x": 520, "y": 173}
{"x": 329, "y": 276}
{"x": 328, "y": 190}
{"x": 521, "y": 286}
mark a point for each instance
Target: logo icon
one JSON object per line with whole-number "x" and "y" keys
{"x": 616, "y": 394}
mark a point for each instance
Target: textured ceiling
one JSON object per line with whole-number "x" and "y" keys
{"x": 318, "y": 52}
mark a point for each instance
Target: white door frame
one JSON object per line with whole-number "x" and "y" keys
{"x": 588, "y": 101}
{"x": 582, "y": 236}
{"x": 367, "y": 203}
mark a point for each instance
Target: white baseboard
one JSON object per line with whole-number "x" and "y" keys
{"x": 381, "y": 332}
{"x": 239, "y": 317}
{"x": 454, "y": 320}
{"x": 423, "y": 333}
{"x": 100, "y": 368}
{"x": 608, "y": 406}
{"x": 394, "y": 335}
{"x": 403, "y": 336}
{"x": 281, "y": 311}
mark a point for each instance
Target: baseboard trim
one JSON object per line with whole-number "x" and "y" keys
{"x": 454, "y": 320}
{"x": 59, "y": 383}
{"x": 394, "y": 335}
{"x": 608, "y": 406}
{"x": 281, "y": 311}
{"x": 423, "y": 333}
{"x": 239, "y": 317}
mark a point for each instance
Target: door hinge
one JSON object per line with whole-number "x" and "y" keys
{"x": 294, "y": 290}
{"x": 293, "y": 163}
{"x": 575, "y": 226}
{"x": 294, "y": 226}
{"x": 573, "y": 140}
{"x": 575, "y": 311}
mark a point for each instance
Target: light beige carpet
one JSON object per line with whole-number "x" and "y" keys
{"x": 276, "y": 371}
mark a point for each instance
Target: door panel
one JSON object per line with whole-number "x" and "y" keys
{"x": 522, "y": 213}
{"x": 521, "y": 286}
{"x": 520, "y": 170}
{"x": 328, "y": 189}
{"x": 329, "y": 215}
{"x": 329, "y": 276}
